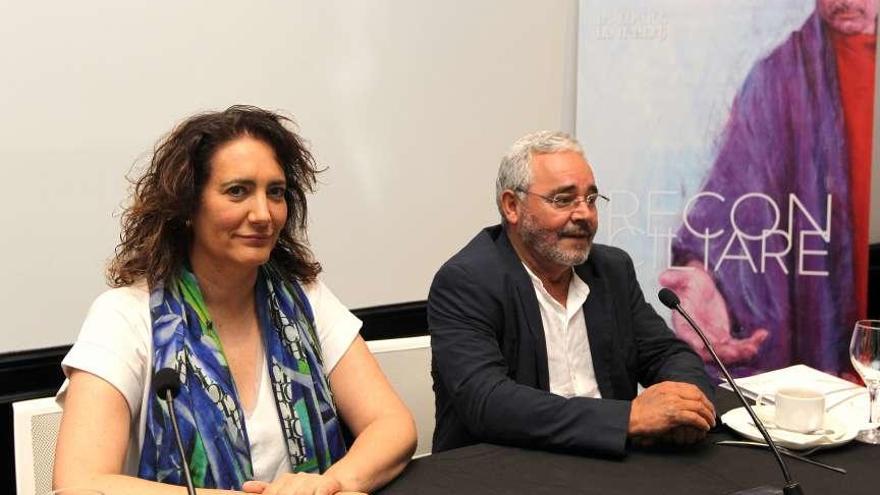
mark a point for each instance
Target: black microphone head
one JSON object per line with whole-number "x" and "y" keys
{"x": 668, "y": 298}
{"x": 165, "y": 380}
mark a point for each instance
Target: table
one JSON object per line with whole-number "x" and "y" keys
{"x": 702, "y": 469}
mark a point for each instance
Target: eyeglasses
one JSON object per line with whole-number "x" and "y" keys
{"x": 568, "y": 201}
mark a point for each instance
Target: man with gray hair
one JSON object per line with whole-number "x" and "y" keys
{"x": 540, "y": 337}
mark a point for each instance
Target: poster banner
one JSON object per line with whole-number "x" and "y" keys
{"x": 734, "y": 140}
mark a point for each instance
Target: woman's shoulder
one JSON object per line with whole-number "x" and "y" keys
{"x": 337, "y": 327}
{"x": 114, "y": 342}
{"x": 322, "y": 300}
{"x": 313, "y": 289}
{"x": 127, "y": 300}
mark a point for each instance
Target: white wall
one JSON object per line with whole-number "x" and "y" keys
{"x": 410, "y": 104}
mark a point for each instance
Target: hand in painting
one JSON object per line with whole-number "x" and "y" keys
{"x": 700, "y": 297}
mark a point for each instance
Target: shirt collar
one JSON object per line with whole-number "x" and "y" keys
{"x": 578, "y": 290}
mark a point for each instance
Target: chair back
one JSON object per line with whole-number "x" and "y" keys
{"x": 35, "y": 427}
{"x": 407, "y": 364}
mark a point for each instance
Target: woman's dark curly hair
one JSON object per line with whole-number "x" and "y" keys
{"x": 155, "y": 239}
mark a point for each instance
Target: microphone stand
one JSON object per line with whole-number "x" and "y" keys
{"x": 166, "y": 383}
{"x": 791, "y": 487}
{"x": 169, "y": 399}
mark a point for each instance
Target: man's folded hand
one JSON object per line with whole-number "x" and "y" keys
{"x": 670, "y": 412}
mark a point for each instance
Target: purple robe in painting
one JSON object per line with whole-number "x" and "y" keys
{"x": 785, "y": 136}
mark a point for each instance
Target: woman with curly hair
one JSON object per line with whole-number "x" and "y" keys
{"x": 213, "y": 278}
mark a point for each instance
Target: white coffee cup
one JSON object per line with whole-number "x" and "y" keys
{"x": 798, "y": 409}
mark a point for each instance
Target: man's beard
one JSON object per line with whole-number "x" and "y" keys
{"x": 545, "y": 242}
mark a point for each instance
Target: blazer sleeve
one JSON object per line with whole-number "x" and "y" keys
{"x": 466, "y": 318}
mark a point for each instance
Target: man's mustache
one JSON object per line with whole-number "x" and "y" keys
{"x": 578, "y": 230}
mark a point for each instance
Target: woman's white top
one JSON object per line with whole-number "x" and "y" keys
{"x": 116, "y": 344}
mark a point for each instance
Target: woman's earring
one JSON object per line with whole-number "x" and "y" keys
{"x": 188, "y": 223}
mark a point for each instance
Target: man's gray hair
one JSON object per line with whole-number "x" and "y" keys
{"x": 515, "y": 171}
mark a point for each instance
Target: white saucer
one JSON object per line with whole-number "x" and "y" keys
{"x": 739, "y": 420}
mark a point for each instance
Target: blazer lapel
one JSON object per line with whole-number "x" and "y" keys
{"x": 528, "y": 305}
{"x": 598, "y": 314}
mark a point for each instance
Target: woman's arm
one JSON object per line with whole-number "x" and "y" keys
{"x": 382, "y": 424}
{"x": 93, "y": 440}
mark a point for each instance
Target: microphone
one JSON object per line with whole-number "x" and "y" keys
{"x": 166, "y": 383}
{"x": 671, "y": 301}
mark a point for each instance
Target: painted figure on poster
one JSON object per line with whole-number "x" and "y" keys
{"x": 772, "y": 254}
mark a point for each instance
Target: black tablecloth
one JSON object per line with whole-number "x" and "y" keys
{"x": 701, "y": 469}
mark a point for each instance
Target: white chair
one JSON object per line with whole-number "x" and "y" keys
{"x": 407, "y": 364}
{"x": 35, "y": 426}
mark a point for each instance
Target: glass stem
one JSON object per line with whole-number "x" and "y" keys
{"x": 873, "y": 390}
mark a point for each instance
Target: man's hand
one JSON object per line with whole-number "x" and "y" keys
{"x": 670, "y": 411}
{"x": 700, "y": 297}
{"x": 684, "y": 435}
{"x": 680, "y": 435}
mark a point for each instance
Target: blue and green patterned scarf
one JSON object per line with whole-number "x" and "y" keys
{"x": 209, "y": 413}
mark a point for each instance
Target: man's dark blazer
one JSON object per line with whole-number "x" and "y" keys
{"x": 491, "y": 380}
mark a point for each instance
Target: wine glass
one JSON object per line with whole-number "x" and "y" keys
{"x": 864, "y": 351}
